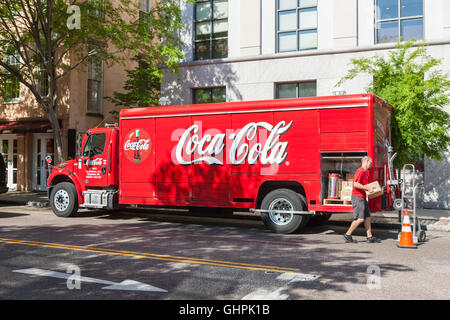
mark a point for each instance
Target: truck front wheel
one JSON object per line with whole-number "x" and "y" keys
{"x": 284, "y": 200}
{"x": 64, "y": 200}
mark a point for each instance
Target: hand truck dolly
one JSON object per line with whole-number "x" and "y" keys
{"x": 408, "y": 202}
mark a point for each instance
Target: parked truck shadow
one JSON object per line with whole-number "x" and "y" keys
{"x": 338, "y": 267}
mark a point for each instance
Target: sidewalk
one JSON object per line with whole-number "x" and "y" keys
{"x": 30, "y": 198}
{"x": 430, "y": 219}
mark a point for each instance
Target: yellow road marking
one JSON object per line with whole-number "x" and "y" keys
{"x": 24, "y": 210}
{"x": 152, "y": 256}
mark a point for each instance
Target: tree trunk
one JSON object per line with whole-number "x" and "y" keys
{"x": 53, "y": 102}
{"x": 53, "y": 118}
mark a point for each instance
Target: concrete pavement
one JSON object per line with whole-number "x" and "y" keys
{"x": 208, "y": 258}
{"x": 430, "y": 219}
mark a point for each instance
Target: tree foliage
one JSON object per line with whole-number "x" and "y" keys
{"x": 59, "y": 36}
{"x": 411, "y": 80}
{"x": 142, "y": 87}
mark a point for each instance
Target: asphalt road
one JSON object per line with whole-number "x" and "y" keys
{"x": 174, "y": 255}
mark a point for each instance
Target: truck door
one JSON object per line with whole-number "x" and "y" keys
{"x": 93, "y": 163}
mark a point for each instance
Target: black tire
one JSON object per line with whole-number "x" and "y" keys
{"x": 66, "y": 204}
{"x": 397, "y": 204}
{"x": 422, "y": 236}
{"x": 284, "y": 223}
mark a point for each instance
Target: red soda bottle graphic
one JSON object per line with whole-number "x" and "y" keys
{"x": 137, "y": 156}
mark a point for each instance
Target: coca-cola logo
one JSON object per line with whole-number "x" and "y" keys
{"x": 194, "y": 148}
{"x": 137, "y": 145}
{"x": 95, "y": 162}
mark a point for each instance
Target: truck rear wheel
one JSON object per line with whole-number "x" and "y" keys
{"x": 284, "y": 200}
{"x": 64, "y": 200}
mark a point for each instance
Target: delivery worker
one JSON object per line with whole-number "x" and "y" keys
{"x": 360, "y": 205}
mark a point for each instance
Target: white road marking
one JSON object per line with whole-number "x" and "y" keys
{"x": 129, "y": 285}
{"x": 296, "y": 277}
{"x": 263, "y": 294}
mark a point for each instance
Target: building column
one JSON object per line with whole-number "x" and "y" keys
{"x": 21, "y": 157}
{"x": 345, "y": 23}
{"x": 28, "y": 162}
{"x": 437, "y": 183}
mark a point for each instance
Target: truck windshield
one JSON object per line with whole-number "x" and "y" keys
{"x": 95, "y": 145}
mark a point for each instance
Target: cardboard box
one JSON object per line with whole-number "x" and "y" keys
{"x": 378, "y": 192}
{"x": 347, "y": 197}
{"x": 347, "y": 186}
{"x": 346, "y": 191}
{"x": 349, "y": 176}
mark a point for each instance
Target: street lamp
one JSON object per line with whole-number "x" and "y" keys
{"x": 163, "y": 101}
{"x": 338, "y": 91}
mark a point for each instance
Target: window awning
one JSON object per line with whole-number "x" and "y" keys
{"x": 25, "y": 126}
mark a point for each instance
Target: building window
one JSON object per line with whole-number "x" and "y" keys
{"x": 42, "y": 80}
{"x": 10, "y": 90}
{"x": 209, "y": 95}
{"x": 95, "y": 86}
{"x": 399, "y": 20}
{"x": 211, "y": 29}
{"x": 98, "y": 8}
{"x": 296, "y": 89}
{"x": 144, "y": 9}
{"x": 145, "y": 5}
{"x": 296, "y": 25}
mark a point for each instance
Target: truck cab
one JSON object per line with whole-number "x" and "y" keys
{"x": 91, "y": 179}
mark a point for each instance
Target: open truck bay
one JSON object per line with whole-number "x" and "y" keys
{"x": 270, "y": 156}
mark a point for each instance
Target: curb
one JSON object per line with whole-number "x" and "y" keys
{"x": 382, "y": 222}
{"x": 427, "y": 224}
{"x": 381, "y": 225}
{"x": 38, "y": 204}
{"x": 442, "y": 225}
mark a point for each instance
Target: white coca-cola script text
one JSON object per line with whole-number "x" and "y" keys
{"x": 207, "y": 148}
{"x": 142, "y": 144}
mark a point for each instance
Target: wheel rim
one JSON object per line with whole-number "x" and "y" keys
{"x": 281, "y": 219}
{"x": 397, "y": 204}
{"x": 61, "y": 200}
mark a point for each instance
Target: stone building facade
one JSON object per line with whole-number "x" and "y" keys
{"x": 267, "y": 49}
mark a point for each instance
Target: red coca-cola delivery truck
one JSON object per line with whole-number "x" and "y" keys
{"x": 272, "y": 157}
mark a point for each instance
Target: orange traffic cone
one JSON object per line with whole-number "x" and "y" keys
{"x": 406, "y": 237}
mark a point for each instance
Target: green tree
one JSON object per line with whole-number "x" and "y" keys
{"x": 56, "y": 37}
{"x": 411, "y": 80}
{"x": 143, "y": 84}
{"x": 141, "y": 89}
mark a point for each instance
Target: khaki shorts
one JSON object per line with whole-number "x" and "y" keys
{"x": 360, "y": 208}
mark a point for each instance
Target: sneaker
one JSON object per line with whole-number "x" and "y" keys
{"x": 348, "y": 238}
{"x": 373, "y": 239}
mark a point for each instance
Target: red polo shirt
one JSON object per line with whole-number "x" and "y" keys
{"x": 361, "y": 176}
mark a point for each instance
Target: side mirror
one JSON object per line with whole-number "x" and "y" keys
{"x": 80, "y": 136}
{"x": 49, "y": 160}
